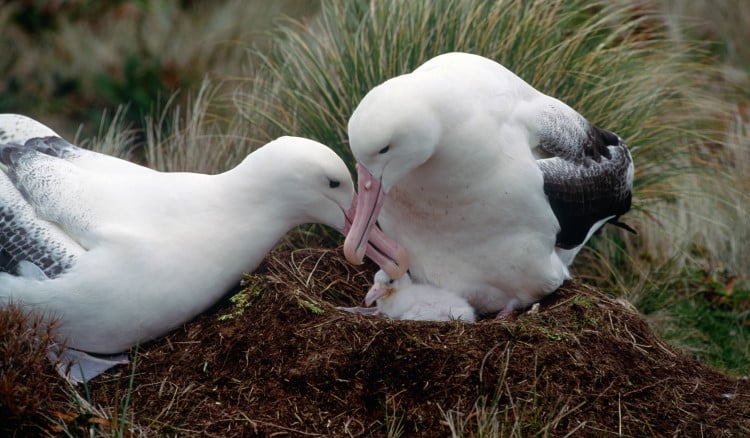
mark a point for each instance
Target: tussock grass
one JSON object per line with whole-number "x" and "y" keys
{"x": 724, "y": 23}
{"x": 599, "y": 59}
{"x": 196, "y": 137}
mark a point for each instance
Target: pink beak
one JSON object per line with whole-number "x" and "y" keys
{"x": 376, "y": 292}
{"x": 364, "y": 237}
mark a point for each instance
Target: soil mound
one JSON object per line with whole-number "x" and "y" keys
{"x": 279, "y": 358}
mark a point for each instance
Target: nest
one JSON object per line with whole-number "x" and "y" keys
{"x": 279, "y": 358}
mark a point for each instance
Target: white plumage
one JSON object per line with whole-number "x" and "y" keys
{"x": 402, "y": 299}
{"x": 491, "y": 186}
{"x": 122, "y": 254}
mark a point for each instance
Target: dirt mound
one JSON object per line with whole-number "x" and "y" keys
{"x": 281, "y": 358}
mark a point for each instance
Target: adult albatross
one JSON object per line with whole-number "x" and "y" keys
{"x": 121, "y": 253}
{"x": 490, "y": 186}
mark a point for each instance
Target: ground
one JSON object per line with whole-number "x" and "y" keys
{"x": 279, "y": 358}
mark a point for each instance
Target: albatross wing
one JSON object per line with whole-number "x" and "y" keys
{"x": 31, "y": 246}
{"x": 588, "y": 173}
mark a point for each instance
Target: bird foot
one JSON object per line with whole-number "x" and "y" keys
{"x": 508, "y": 313}
{"x": 77, "y": 366}
{"x": 369, "y": 311}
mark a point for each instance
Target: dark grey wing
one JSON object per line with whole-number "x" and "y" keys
{"x": 30, "y": 246}
{"x": 22, "y": 131}
{"x": 46, "y": 201}
{"x": 581, "y": 195}
{"x": 55, "y": 147}
{"x": 55, "y": 191}
{"x": 588, "y": 173}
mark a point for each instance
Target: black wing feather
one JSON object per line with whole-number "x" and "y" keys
{"x": 582, "y": 195}
{"x": 587, "y": 173}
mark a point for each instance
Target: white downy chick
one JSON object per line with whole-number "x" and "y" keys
{"x": 402, "y": 299}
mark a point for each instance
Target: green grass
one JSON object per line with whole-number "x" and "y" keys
{"x": 599, "y": 59}
{"x": 85, "y": 417}
{"x": 703, "y": 312}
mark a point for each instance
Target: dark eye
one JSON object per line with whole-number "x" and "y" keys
{"x": 332, "y": 183}
{"x": 384, "y": 150}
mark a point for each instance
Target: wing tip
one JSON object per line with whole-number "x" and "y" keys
{"x": 618, "y": 223}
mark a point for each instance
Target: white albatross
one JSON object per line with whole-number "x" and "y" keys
{"x": 489, "y": 185}
{"x": 403, "y": 299}
{"x": 122, "y": 254}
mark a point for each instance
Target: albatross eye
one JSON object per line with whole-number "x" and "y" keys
{"x": 332, "y": 183}
{"x": 384, "y": 150}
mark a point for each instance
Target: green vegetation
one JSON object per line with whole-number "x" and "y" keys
{"x": 703, "y": 313}
{"x": 253, "y": 287}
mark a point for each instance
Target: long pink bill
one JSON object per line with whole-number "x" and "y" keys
{"x": 364, "y": 237}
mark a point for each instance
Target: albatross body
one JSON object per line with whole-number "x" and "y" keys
{"x": 122, "y": 254}
{"x": 490, "y": 186}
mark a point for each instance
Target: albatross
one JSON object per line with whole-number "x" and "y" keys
{"x": 490, "y": 186}
{"x": 403, "y": 299}
{"x": 121, "y": 254}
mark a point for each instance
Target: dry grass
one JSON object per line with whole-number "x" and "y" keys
{"x": 28, "y": 385}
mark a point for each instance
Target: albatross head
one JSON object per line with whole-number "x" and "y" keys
{"x": 383, "y": 287}
{"x": 316, "y": 187}
{"x": 392, "y": 132}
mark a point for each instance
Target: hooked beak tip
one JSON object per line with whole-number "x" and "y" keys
{"x": 354, "y": 260}
{"x": 397, "y": 267}
{"x": 354, "y": 254}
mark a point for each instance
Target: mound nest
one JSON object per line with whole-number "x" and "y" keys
{"x": 279, "y": 358}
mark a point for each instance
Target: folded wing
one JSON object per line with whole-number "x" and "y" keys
{"x": 588, "y": 173}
